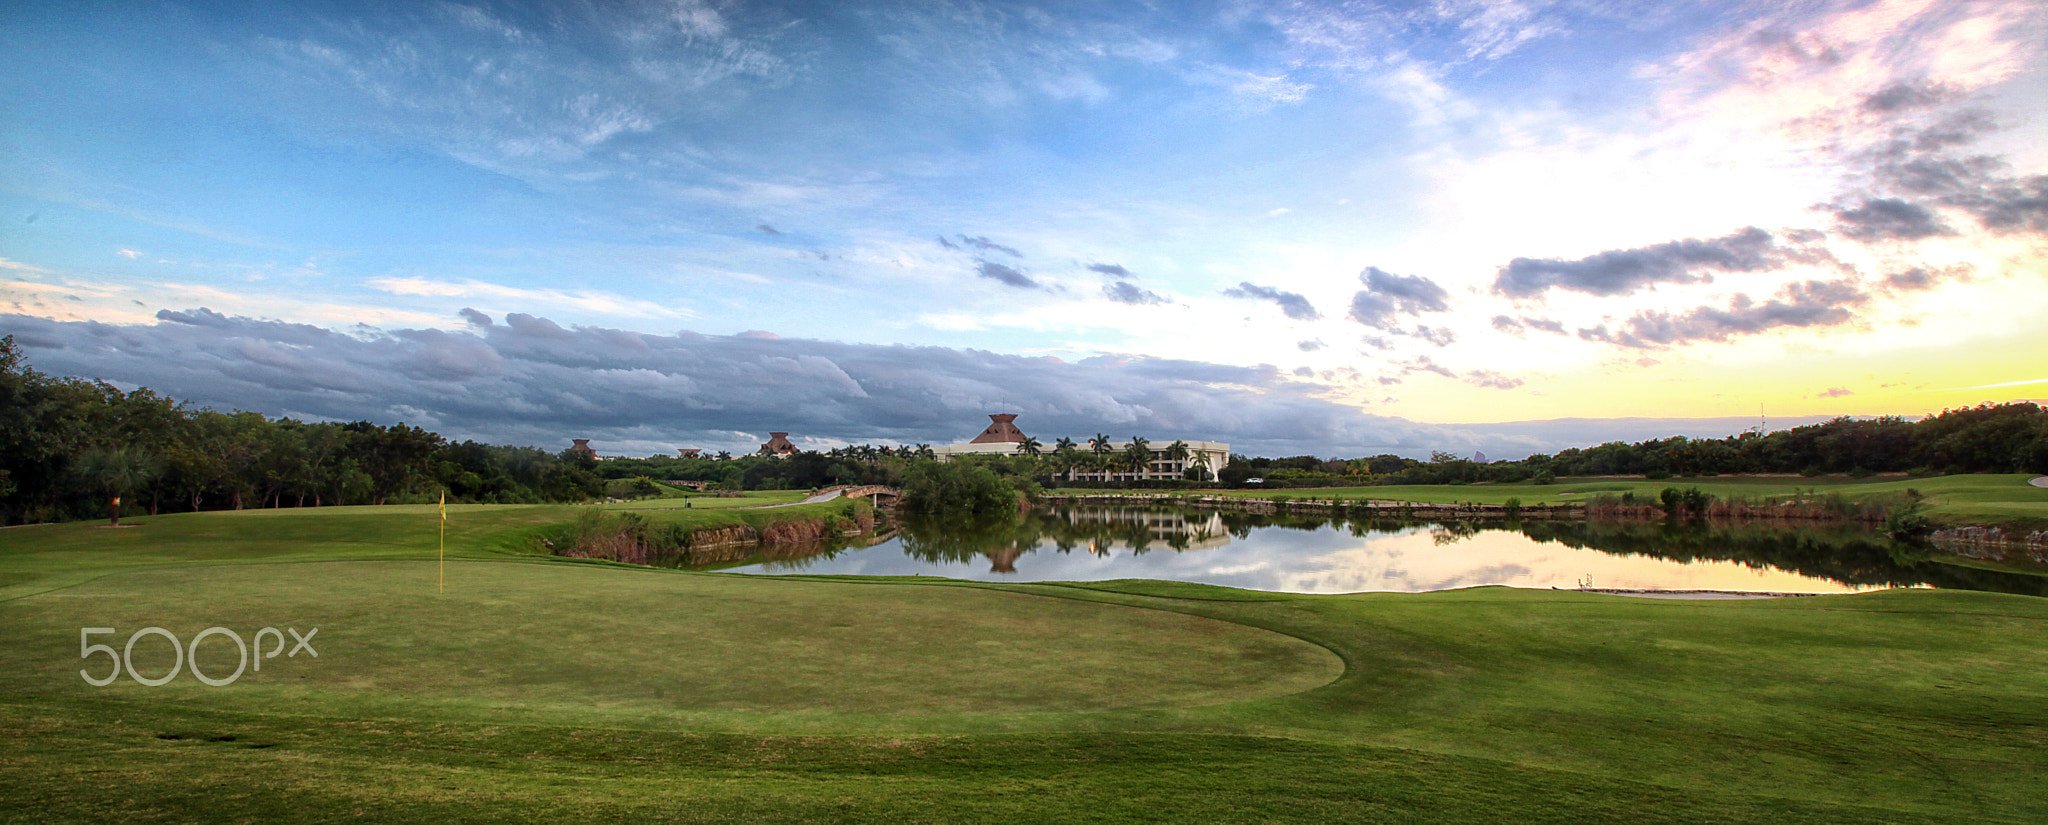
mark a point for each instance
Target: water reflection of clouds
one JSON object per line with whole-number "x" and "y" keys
{"x": 1330, "y": 560}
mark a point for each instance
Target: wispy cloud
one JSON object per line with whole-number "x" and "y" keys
{"x": 1291, "y": 304}
{"x": 588, "y": 300}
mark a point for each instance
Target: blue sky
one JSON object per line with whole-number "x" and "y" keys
{"x": 1299, "y": 227}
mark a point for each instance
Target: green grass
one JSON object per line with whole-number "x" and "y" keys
{"x": 536, "y": 689}
{"x": 1989, "y": 498}
{"x": 701, "y": 501}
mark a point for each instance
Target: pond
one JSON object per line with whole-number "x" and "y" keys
{"x": 1301, "y": 554}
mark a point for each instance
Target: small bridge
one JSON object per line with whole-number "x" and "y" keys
{"x": 876, "y": 494}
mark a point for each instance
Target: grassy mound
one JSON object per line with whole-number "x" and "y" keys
{"x": 592, "y": 645}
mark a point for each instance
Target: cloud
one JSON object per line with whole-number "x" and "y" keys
{"x": 1886, "y": 219}
{"x": 1112, "y": 270}
{"x": 1805, "y": 304}
{"x": 521, "y": 94}
{"x": 1491, "y": 380}
{"x": 1922, "y": 278}
{"x": 1906, "y": 95}
{"x": 1516, "y": 325}
{"x": 588, "y": 300}
{"x": 1624, "y": 271}
{"x": 475, "y": 318}
{"x": 1440, "y": 336}
{"x": 1387, "y": 296}
{"x": 2010, "y": 205}
{"x": 201, "y": 317}
{"x": 1836, "y": 392}
{"x": 946, "y": 243}
{"x": 1309, "y": 346}
{"x": 986, "y": 244}
{"x": 1291, "y": 304}
{"x": 1926, "y": 162}
{"x": 765, "y": 229}
{"x": 532, "y": 381}
{"x": 999, "y": 272}
{"x": 1124, "y": 292}
{"x": 1424, "y": 363}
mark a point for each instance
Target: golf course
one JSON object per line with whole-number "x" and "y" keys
{"x": 509, "y": 685}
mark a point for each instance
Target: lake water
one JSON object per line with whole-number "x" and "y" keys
{"x": 1311, "y": 555}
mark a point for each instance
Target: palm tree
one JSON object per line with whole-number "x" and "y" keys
{"x": 1066, "y": 455}
{"x": 117, "y": 472}
{"x": 1100, "y": 444}
{"x": 1178, "y": 453}
{"x": 1138, "y": 455}
{"x": 925, "y": 451}
{"x": 724, "y": 455}
{"x": 1031, "y": 447}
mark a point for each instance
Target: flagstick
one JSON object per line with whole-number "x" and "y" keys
{"x": 444, "y": 541}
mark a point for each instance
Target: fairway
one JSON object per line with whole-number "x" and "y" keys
{"x": 537, "y": 687}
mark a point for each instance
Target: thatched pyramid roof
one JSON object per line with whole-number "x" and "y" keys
{"x": 1002, "y": 431}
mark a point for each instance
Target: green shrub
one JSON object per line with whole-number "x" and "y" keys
{"x": 956, "y": 487}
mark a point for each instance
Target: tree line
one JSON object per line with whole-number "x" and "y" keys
{"x": 72, "y": 448}
{"x": 1988, "y": 438}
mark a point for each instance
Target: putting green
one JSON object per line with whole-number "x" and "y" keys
{"x": 521, "y": 642}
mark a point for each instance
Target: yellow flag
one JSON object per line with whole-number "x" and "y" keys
{"x": 444, "y": 505}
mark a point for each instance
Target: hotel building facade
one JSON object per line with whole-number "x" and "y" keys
{"x": 1003, "y": 438}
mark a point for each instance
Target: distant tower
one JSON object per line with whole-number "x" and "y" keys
{"x": 1478, "y": 457}
{"x": 582, "y": 447}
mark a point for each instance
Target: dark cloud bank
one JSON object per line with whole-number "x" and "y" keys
{"x": 529, "y": 380}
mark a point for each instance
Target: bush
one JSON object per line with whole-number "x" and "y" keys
{"x": 1907, "y": 521}
{"x": 956, "y": 487}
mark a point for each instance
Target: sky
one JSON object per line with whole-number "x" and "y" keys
{"x": 1330, "y": 228}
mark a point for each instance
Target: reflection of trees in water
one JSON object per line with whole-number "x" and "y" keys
{"x": 1845, "y": 554}
{"x": 1004, "y": 539}
{"x": 781, "y": 558}
{"x": 1840, "y": 553}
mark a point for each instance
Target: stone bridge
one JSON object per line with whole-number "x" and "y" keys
{"x": 876, "y": 494}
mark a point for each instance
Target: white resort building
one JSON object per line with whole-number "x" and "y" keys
{"x": 1003, "y": 438}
